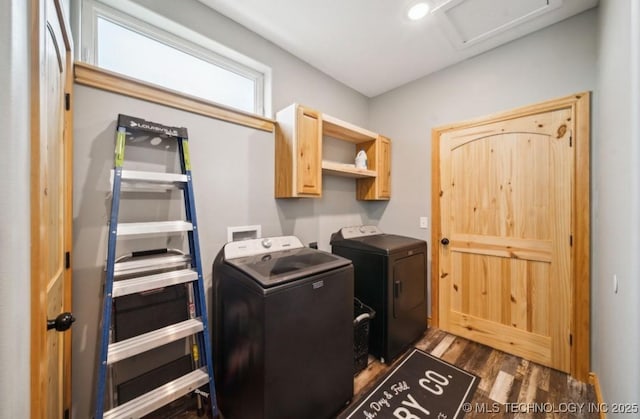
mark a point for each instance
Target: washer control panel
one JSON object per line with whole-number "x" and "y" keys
{"x": 359, "y": 231}
{"x": 252, "y": 247}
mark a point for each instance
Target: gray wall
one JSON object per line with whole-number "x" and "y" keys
{"x": 233, "y": 166}
{"x": 550, "y": 63}
{"x": 616, "y": 244}
{"x": 293, "y": 81}
{"x": 596, "y": 51}
{"x": 14, "y": 206}
{"x": 233, "y": 170}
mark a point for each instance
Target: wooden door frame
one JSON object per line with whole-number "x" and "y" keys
{"x": 38, "y": 283}
{"x": 581, "y": 258}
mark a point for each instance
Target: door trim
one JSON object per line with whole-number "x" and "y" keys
{"x": 68, "y": 199}
{"x": 581, "y": 257}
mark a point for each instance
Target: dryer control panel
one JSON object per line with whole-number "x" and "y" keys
{"x": 252, "y": 247}
{"x": 359, "y": 231}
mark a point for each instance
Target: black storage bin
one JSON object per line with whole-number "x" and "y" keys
{"x": 362, "y": 317}
{"x": 140, "y": 313}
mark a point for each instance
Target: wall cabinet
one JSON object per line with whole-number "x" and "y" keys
{"x": 299, "y": 163}
{"x": 298, "y": 147}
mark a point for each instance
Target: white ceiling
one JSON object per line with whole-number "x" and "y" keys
{"x": 371, "y": 46}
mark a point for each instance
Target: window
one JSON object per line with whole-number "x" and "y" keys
{"x": 123, "y": 37}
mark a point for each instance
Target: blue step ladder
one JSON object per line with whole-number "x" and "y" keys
{"x": 136, "y": 275}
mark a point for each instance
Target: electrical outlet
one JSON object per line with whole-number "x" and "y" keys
{"x": 424, "y": 222}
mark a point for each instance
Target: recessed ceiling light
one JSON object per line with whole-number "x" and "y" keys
{"x": 418, "y": 11}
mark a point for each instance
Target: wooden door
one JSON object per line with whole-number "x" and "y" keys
{"x": 50, "y": 210}
{"x": 309, "y": 158}
{"x": 505, "y": 233}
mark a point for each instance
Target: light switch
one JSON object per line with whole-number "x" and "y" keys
{"x": 424, "y": 222}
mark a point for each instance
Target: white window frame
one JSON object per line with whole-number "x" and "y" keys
{"x": 141, "y": 20}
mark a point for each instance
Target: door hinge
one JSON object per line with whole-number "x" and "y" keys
{"x": 67, "y": 101}
{"x": 570, "y": 339}
{"x": 570, "y": 138}
{"x": 67, "y": 415}
{"x": 67, "y": 260}
{"x": 571, "y": 240}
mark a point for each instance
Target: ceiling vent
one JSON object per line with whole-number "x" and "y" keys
{"x": 467, "y": 22}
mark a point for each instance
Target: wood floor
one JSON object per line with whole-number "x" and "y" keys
{"x": 510, "y": 387}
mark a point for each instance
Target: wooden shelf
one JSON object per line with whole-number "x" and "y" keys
{"x": 335, "y": 128}
{"x": 299, "y": 166}
{"x": 346, "y": 170}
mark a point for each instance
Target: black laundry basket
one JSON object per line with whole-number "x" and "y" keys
{"x": 362, "y": 319}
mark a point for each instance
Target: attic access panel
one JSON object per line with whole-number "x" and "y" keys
{"x": 467, "y": 22}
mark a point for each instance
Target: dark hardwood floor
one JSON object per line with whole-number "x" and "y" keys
{"x": 510, "y": 387}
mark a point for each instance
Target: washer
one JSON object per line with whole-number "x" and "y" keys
{"x": 282, "y": 330}
{"x": 391, "y": 277}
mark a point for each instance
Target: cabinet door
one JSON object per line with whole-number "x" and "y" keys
{"x": 309, "y": 158}
{"x": 384, "y": 168}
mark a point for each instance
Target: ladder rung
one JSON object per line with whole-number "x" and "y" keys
{"x": 140, "y": 181}
{"x": 156, "y": 177}
{"x": 128, "y": 229}
{"x": 160, "y": 396}
{"x": 147, "y": 341}
{"x": 150, "y": 282}
{"x": 155, "y": 263}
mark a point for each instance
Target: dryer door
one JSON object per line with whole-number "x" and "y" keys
{"x": 409, "y": 285}
{"x": 408, "y": 317}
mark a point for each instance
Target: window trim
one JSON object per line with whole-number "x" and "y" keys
{"x": 92, "y": 76}
{"x": 138, "y": 19}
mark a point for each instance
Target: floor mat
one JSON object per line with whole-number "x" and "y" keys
{"x": 420, "y": 386}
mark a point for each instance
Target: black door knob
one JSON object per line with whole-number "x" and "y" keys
{"x": 444, "y": 241}
{"x": 61, "y": 323}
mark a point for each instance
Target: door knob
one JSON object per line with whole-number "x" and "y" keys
{"x": 444, "y": 241}
{"x": 62, "y": 322}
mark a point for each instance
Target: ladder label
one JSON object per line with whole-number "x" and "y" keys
{"x": 187, "y": 159}
{"x": 139, "y": 124}
{"x": 120, "y": 148}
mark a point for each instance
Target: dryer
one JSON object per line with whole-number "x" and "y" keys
{"x": 282, "y": 330}
{"x": 391, "y": 277}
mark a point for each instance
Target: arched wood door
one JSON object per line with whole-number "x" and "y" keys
{"x": 506, "y": 215}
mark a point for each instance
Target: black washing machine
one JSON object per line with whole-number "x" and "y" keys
{"x": 282, "y": 330}
{"x": 391, "y": 277}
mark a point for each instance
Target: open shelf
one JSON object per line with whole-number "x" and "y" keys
{"x": 346, "y": 170}
{"x": 335, "y": 128}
